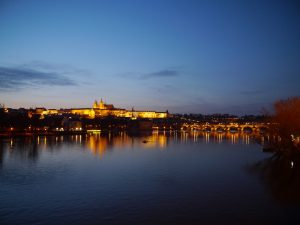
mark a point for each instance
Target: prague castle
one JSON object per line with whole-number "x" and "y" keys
{"x": 101, "y": 109}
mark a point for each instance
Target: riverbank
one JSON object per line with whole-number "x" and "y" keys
{"x": 39, "y": 133}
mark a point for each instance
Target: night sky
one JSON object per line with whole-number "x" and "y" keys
{"x": 185, "y": 56}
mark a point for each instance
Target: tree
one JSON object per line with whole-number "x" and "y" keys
{"x": 286, "y": 124}
{"x": 287, "y": 115}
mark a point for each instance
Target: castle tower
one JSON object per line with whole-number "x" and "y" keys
{"x": 95, "y": 105}
{"x": 101, "y": 104}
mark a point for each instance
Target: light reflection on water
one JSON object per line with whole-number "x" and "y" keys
{"x": 157, "y": 178}
{"x": 98, "y": 144}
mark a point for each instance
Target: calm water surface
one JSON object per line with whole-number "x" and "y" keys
{"x": 175, "y": 178}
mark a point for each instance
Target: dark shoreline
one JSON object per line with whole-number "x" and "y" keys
{"x": 83, "y": 132}
{"x": 33, "y": 134}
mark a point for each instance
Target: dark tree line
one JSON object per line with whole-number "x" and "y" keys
{"x": 285, "y": 125}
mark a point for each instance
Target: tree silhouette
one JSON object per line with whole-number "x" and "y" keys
{"x": 286, "y": 124}
{"x": 287, "y": 115}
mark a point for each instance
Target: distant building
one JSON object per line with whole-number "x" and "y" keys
{"x": 100, "y": 110}
{"x": 71, "y": 124}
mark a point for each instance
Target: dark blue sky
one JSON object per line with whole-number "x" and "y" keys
{"x": 185, "y": 56}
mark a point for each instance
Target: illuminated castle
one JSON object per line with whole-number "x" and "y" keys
{"x": 101, "y": 105}
{"x": 102, "y": 110}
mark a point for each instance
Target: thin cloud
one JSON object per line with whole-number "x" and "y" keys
{"x": 50, "y": 67}
{"x": 160, "y": 74}
{"x": 213, "y": 108}
{"x": 17, "y": 78}
{"x": 164, "y": 89}
{"x": 167, "y": 73}
{"x": 253, "y": 92}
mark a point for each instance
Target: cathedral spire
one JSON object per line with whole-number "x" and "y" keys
{"x": 101, "y": 104}
{"x": 95, "y": 105}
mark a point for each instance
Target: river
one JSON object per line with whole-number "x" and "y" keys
{"x": 158, "y": 178}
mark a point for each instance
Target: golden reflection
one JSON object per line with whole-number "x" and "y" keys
{"x": 181, "y": 136}
{"x": 162, "y": 141}
{"x": 195, "y": 136}
{"x": 207, "y": 135}
{"x": 97, "y": 145}
{"x": 45, "y": 141}
{"x": 220, "y": 137}
{"x": 11, "y": 143}
{"x": 246, "y": 139}
{"x": 184, "y": 136}
{"x": 233, "y": 138}
{"x": 156, "y": 140}
{"x": 101, "y": 143}
{"x": 176, "y": 136}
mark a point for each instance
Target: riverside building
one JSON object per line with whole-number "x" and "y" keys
{"x": 101, "y": 109}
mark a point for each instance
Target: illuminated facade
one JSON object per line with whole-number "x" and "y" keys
{"x": 101, "y": 110}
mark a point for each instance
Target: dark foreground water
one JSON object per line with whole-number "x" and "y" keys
{"x": 156, "y": 179}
